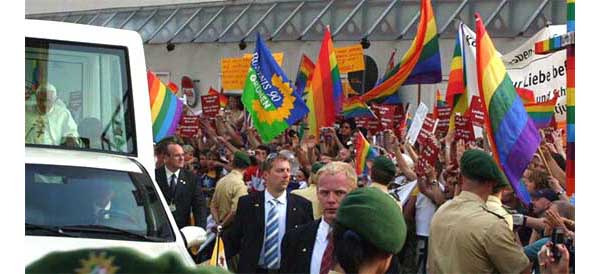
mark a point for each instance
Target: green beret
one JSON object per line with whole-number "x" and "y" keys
{"x": 384, "y": 164}
{"x": 479, "y": 165}
{"x": 113, "y": 260}
{"x": 316, "y": 166}
{"x": 375, "y": 216}
{"x": 242, "y": 157}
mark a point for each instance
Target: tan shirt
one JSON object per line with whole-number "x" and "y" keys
{"x": 494, "y": 204}
{"x": 228, "y": 191}
{"x": 466, "y": 237}
{"x": 385, "y": 190}
{"x": 310, "y": 193}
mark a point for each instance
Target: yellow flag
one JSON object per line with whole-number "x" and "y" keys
{"x": 218, "y": 255}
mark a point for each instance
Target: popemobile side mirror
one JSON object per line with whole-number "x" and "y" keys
{"x": 193, "y": 236}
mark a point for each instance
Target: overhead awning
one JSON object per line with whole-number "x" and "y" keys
{"x": 349, "y": 20}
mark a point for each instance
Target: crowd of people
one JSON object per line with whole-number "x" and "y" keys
{"x": 296, "y": 204}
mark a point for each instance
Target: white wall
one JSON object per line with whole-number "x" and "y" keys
{"x": 202, "y": 61}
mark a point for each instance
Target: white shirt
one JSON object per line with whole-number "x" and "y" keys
{"x": 424, "y": 210}
{"x": 50, "y": 128}
{"x": 319, "y": 247}
{"x": 170, "y": 173}
{"x": 281, "y": 213}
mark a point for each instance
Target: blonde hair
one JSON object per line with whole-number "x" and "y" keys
{"x": 336, "y": 167}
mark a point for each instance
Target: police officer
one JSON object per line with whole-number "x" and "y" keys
{"x": 467, "y": 237}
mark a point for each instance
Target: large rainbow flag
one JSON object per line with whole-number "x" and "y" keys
{"x": 166, "y": 108}
{"x": 364, "y": 151}
{"x": 324, "y": 98}
{"x": 456, "y": 95}
{"x": 541, "y": 113}
{"x": 420, "y": 64}
{"x": 305, "y": 71}
{"x": 512, "y": 134}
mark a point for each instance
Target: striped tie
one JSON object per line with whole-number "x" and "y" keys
{"x": 272, "y": 237}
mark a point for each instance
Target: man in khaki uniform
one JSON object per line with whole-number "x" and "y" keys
{"x": 310, "y": 193}
{"x": 228, "y": 191}
{"x": 467, "y": 237}
{"x": 383, "y": 173}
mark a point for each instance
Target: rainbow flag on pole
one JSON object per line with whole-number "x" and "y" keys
{"x": 512, "y": 134}
{"x": 456, "y": 97}
{"x": 305, "y": 71}
{"x": 420, "y": 64}
{"x": 541, "y": 113}
{"x": 324, "y": 96}
{"x": 364, "y": 151}
{"x": 166, "y": 108}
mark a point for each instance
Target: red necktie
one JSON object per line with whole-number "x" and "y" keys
{"x": 327, "y": 261}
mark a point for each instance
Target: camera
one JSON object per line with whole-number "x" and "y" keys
{"x": 558, "y": 237}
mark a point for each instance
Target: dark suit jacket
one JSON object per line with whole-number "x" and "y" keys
{"x": 297, "y": 247}
{"x": 188, "y": 196}
{"x": 246, "y": 234}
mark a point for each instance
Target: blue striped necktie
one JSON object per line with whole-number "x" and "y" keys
{"x": 272, "y": 237}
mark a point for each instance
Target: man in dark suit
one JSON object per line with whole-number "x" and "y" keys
{"x": 262, "y": 219}
{"x": 179, "y": 186}
{"x": 308, "y": 249}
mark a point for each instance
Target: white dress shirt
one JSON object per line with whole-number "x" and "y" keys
{"x": 319, "y": 247}
{"x": 281, "y": 211}
{"x": 170, "y": 173}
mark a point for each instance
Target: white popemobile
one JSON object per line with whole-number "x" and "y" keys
{"x": 92, "y": 186}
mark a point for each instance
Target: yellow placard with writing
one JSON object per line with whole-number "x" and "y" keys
{"x": 234, "y": 70}
{"x": 350, "y": 58}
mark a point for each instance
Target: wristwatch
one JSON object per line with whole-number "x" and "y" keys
{"x": 560, "y": 192}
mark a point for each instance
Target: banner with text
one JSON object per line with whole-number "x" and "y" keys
{"x": 350, "y": 59}
{"x": 234, "y": 70}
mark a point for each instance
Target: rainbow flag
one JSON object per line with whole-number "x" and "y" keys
{"x": 455, "y": 91}
{"x": 354, "y": 107}
{"x": 223, "y": 100}
{"x": 38, "y": 75}
{"x": 324, "y": 97}
{"x": 512, "y": 134}
{"x": 526, "y": 95}
{"x": 305, "y": 71}
{"x": 541, "y": 113}
{"x": 420, "y": 64}
{"x": 269, "y": 96}
{"x": 166, "y": 108}
{"x": 440, "y": 102}
{"x": 364, "y": 151}
{"x": 571, "y": 100}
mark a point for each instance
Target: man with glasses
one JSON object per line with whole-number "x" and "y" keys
{"x": 263, "y": 218}
{"x": 179, "y": 186}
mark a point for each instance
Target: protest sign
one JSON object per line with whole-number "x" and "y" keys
{"x": 350, "y": 59}
{"x": 427, "y": 129}
{"x": 235, "y": 70}
{"x": 476, "y": 112}
{"x": 189, "y": 125}
{"x": 210, "y": 105}
{"x": 464, "y": 129}
{"x": 443, "y": 119}
{"x": 417, "y": 122}
{"x": 428, "y": 155}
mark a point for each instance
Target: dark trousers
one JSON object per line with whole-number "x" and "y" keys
{"x": 422, "y": 254}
